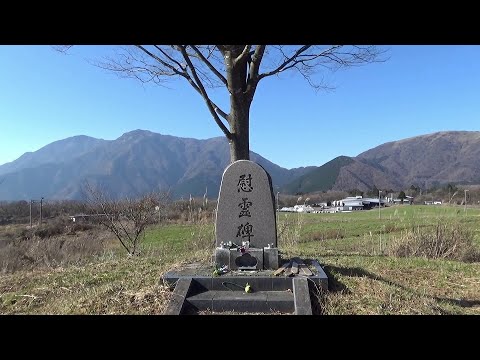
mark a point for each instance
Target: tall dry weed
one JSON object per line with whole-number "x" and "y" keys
{"x": 446, "y": 240}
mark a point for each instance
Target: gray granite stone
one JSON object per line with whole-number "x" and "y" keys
{"x": 282, "y": 284}
{"x": 222, "y": 257}
{"x": 201, "y": 283}
{"x": 280, "y": 301}
{"x": 239, "y": 283}
{"x": 301, "y": 296}
{"x": 253, "y": 259}
{"x": 234, "y": 259}
{"x": 239, "y": 301}
{"x": 270, "y": 258}
{"x": 246, "y": 207}
{"x": 201, "y": 301}
{"x": 321, "y": 279}
{"x": 176, "y": 306}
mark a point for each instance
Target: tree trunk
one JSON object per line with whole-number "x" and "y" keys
{"x": 239, "y": 115}
{"x": 239, "y": 127}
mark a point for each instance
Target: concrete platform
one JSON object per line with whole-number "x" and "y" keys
{"x": 196, "y": 289}
{"x": 203, "y": 275}
{"x": 240, "y": 301}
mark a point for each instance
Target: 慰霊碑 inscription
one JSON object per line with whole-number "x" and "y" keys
{"x": 246, "y": 210}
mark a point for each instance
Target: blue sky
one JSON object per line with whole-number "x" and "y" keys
{"x": 47, "y": 96}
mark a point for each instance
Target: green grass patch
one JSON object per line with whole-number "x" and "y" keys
{"x": 174, "y": 235}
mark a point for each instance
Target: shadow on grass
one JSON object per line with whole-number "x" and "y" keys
{"x": 331, "y": 270}
{"x": 459, "y": 302}
{"x": 335, "y": 285}
{"x": 342, "y": 254}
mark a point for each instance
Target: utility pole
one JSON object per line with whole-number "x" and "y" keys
{"x": 31, "y": 201}
{"x": 465, "y": 201}
{"x": 379, "y": 192}
{"x": 41, "y": 203}
{"x": 278, "y": 206}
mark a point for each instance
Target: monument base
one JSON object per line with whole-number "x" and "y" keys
{"x": 251, "y": 259}
{"x": 270, "y": 258}
{"x": 198, "y": 289}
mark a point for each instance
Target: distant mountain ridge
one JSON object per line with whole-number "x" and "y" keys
{"x": 438, "y": 158}
{"x": 137, "y": 162}
{"x": 140, "y": 161}
{"x": 56, "y": 152}
{"x": 426, "y": 160}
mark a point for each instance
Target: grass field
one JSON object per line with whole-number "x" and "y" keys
{"x": 362, "y": 230}
{"x": 354, "y": 248}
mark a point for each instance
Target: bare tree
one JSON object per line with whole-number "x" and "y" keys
{"x": 127, "y": 218}
{"x": 236, "y": 68}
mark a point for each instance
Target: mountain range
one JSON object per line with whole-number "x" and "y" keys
{"x": 141, "y": 161}
{"x": 423, "y": 161}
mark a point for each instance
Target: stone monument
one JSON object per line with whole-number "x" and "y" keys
{"x": 246, "y": 231}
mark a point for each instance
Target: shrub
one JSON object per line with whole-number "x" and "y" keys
{"x": 80, "y": 227}
{"x": 444, "y": 240}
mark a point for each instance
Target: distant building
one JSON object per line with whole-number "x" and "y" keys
{"x": 299, "y": 209}
{"x": 354, "y": 203}
{"x": 85, "y": 217}
{"x": 303, "y": 208}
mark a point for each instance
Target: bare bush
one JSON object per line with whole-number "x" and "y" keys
{"x": 127, "y": 219}
{"x": 443, "y": 241}
{"x": 75, "y": 227}
{"x": 53, "y": 228}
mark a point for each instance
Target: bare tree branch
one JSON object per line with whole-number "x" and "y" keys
{"x": 220, "y": 111}
{"x": 256, "y": 60}
{"x": 219, "y": 122}
{"x": 62, "y": 48}
{"x": 286, "y": 62}
{"x": 309, "y": 58}
{"x": 209, "y": 64}
{"x": 222, "y": 49}
{"x": 254, "y": 70}
{"x": 182, "y": 73}
{"x": 243, "y": 54}
{"x": 169, "y": 57}
{"x": 197, "y": 85}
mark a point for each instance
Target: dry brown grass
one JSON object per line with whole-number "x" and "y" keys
{"x": 109, "y": 286}
{"x": 325, "y": 235}
{"x": 369, "y": 285}
{"x": 290, "y": 231}
{"x": 443, "y": 241}
{"x": 202, "y": 241}
{"x": 46, "y": 246}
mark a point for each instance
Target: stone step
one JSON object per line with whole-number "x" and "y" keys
{"x": 240, "y": 301}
